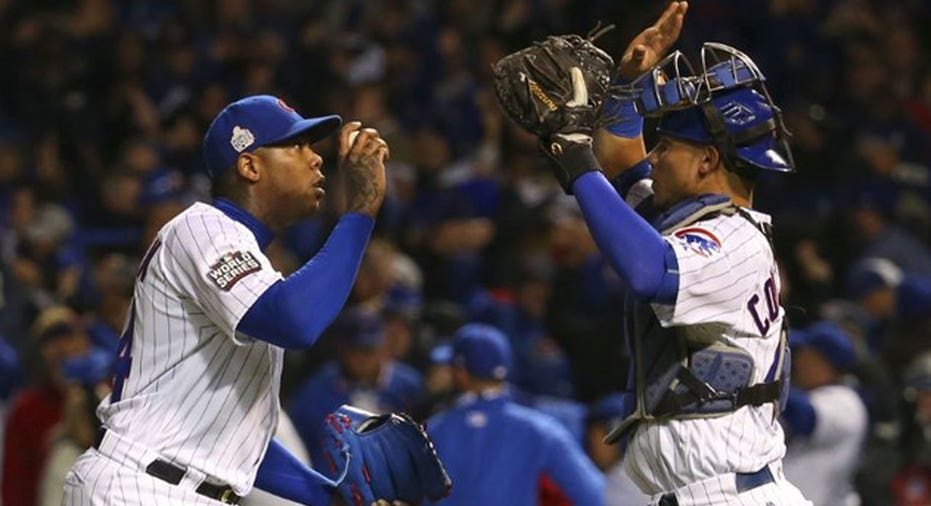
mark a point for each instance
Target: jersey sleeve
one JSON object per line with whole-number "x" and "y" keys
{"x": 719, "y": 262}
{"x": 218, "y": 266}
{"x": 571, "y": 469}
{"x": 839, "y": 415}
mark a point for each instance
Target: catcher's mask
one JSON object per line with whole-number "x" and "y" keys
{"x": 726, "y": 104}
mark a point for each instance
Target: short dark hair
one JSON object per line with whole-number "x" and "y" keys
{"x": 227, "y": 184}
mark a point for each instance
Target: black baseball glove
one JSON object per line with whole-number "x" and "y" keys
{"x": 537, "y": 86}
{"x": 555, "y": 89}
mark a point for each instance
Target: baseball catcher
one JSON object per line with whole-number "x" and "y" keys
{"x": 382, "y": 457}
{"x": 703, "y": 321}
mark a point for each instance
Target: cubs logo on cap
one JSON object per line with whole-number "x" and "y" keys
{"x": 252, "y": 122}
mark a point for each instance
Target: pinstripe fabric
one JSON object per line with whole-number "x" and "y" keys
{"x": 728, "y": 291}
{"x": 722, "y": 491}
{"x": 196, "y": 393}
{"x": 97, "y": 480}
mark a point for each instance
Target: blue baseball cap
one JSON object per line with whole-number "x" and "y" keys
{"x": 256, "y": 121}
{"x": 482, "y": 350}
{"x": 872, "y": 274}
{"x": 831, "y": 341}
{"x": 743, "y": 110}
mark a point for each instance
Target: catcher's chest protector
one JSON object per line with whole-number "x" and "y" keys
{"x": 686, "y": 371}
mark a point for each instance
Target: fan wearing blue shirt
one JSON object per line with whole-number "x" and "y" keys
{"x": 496, "y": 451}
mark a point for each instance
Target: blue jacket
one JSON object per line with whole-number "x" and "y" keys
{"x": 497, "y": 451}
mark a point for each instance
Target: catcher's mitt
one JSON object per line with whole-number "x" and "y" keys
{"x": 539, "y": 86}
{"x": 382, "y": 457}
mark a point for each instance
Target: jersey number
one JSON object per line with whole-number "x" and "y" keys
{"x": 124, "y": 359}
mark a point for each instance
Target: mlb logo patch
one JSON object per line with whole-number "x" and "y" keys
{"x": 699, "y": 241}
{"x": 231, "y": 268}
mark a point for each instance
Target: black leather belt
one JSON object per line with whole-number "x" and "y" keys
{"x": 170, "y": 473}
{"x": 743, "y": 481}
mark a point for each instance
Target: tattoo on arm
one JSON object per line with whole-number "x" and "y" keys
{"x": 360, "y": 181}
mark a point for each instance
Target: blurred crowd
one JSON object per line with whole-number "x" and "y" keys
{"x": 102, "y": 111}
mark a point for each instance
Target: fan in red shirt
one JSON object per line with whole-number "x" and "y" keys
{"x": 36, "y": 410}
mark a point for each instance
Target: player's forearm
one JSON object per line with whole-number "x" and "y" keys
{"x": 617, "y": 154}
{"x": 636, "y": 251}
{"x": 294, "y": 312}
{"x": 619, "y": 146}
{"x": 282, "y": 474}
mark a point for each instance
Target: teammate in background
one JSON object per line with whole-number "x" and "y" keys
{"x": 704, "y": 324}
{"x": 364, "y": 376}
{"x": 619, "y": 489}
{"x": 826, "y": 421}
{"x": 496, "y": 451}
{"x": 195, "y": 394}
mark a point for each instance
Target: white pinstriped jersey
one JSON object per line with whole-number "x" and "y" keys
{"x": 196, "y": 393}
{"x": 823, "y": 464}
{"x": 728, "y": 292}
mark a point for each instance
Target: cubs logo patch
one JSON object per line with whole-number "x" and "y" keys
{"x": 231, "y": 268}
{"x": 699, "y": 241}
{"x": 284, "y": 105}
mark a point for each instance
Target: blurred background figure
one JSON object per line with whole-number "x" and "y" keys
{"x": 825, "y": 419}
{"x": 363, "y": 375}
{"x": 911, "y": 483}
{"x": 620, "y": 490}
{"x": 497, "y": 451}
{"x": 35, "y": 412}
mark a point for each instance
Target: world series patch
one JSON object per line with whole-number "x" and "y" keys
{"x": 232, "y": 267}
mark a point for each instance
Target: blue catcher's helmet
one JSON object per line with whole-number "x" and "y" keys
{"x": 726, "y": 105}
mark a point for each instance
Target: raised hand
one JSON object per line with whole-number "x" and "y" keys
{"x": 362, "y": 155}
{"x": 652, "y": 44}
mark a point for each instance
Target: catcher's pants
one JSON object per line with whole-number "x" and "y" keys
{"x": 768, "y": 487}
{"x": 115, "y": 475}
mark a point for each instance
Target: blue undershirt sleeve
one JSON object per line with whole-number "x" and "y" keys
{"x": 637, "y": 252}
{"x": 282, "y": 474}
{"x": 799, "y": 414}
{"x": 293, "y": 312}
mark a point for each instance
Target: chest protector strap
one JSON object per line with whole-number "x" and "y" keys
{"x": 674, "y": 375}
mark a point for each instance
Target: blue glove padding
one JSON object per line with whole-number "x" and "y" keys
{"x": 386, "y": 457}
